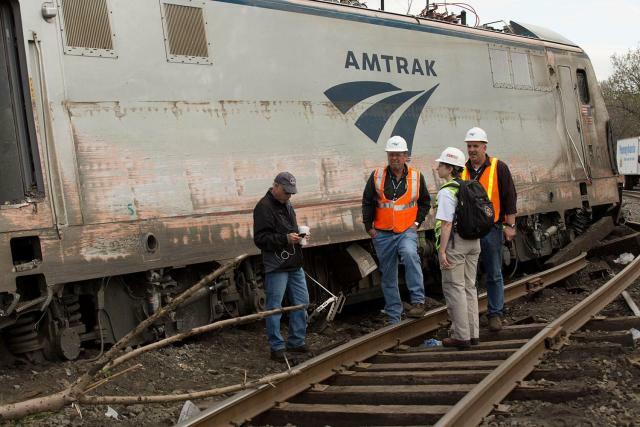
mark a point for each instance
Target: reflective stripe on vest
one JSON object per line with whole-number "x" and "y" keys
{"x": 398, "y": 215}
{"x": 490, "y": 183}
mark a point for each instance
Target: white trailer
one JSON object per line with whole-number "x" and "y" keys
{"x": 628, "y": 158}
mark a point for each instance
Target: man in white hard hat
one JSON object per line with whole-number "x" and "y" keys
{"x": 495, "y": 177}
{"x": 394, "y": 204}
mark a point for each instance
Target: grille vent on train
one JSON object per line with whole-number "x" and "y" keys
{"x": 186, "y": 34}
{"x": 86, "y": 25}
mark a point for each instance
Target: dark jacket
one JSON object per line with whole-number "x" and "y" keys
{"x": 272, "y": 221}
{"x": 370, "y": 196}
{"x": 506, "y": 187}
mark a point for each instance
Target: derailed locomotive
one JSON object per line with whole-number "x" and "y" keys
{"x": 137, "y": 137}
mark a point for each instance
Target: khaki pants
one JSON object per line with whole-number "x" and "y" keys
{"x": 459, "y": 287}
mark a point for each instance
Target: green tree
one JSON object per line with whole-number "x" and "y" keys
{"x": 621, "y": 92}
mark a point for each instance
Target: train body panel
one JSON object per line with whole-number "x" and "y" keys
{"x": 154, "y": 151}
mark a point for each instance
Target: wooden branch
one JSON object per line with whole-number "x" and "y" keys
{"x": 52, "y": 402}
{"x": 59, "y": 400}
{"x": 112, "y": 377}
{"x": 199, "y": 330}
{"x": 130, "y": 400}
{"x": 81, "y": 383}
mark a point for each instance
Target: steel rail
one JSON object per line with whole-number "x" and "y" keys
{"x": 631, "y": 193}
{"x": 247, "y": 404}
{"x": 480, "y": 401}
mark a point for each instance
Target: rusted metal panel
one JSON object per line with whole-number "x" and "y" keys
{"x": 140, "y": 145}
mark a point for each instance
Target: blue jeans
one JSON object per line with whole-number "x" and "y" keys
{"x": 295, "y": 285}
{"x": 491, "y": 258}
{"x": 389, "y": 247}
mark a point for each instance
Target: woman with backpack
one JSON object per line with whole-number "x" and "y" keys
{"x": 458, "y": 256}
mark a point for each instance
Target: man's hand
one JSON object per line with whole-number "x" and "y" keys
{"x": 293, "y": 238}
{"x": 372, "y": 232}
{"x": 444, "y": 262}
{"x": 509, "y": 233}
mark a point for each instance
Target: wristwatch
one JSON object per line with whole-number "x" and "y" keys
{"x": 510, "y": 225}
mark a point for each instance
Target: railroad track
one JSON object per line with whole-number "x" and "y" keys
{"x": 386, "y": 378}
{"x": 631, "y": 194}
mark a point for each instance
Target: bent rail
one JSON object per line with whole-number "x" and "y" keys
{"x": 246, "y": 405}
{"x": 480, "y": 401}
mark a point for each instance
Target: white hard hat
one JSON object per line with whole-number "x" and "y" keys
{"x": 452, "y": 156}
{"x": 396, "y": 144}
{"x": 476, "y": 134}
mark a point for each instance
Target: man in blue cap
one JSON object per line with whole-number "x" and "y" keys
{"x": 275, "y": 232}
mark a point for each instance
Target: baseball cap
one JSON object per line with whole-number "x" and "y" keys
{"x": 288, "y": 182}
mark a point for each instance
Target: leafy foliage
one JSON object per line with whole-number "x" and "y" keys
{"x": 621, "y": 92}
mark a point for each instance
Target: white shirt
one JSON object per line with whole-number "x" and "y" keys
{"x": 447, "y": 203}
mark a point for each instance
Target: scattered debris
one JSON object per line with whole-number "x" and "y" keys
{"x": 189, "y": 409}
{"x": 631, "y": 303}
{"x": 501, "y": 408}
{"x": 624, "y": 258}
{"x": 111, "y": 413}
{"x": 75, "y": 406}
{"x": 603, "y": 273}
{"x": 432, "y": 342}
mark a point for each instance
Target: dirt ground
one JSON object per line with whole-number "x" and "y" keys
{"x": 224, "y": 358}
{"x": 213, "y": 360}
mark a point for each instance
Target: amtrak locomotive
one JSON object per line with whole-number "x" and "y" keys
{"x": 136, "y": 137}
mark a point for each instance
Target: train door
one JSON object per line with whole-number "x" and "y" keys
{"x": 20, "y": 173}
{"x": 571, "y": 118}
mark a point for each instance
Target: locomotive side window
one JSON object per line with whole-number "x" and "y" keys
{"x": 185, "y": 31}
{"x": 583, "y": 86}
{"x": 86, "y": 28}
{"x": 517, "y": 68}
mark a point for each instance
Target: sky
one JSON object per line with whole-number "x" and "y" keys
{"x": 601, "y": 28}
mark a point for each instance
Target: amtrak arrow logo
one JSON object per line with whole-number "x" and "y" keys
{"x": 346, "y": 95}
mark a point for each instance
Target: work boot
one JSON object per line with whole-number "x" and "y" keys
{"x": 459, "y": 344}
{"x": 495, "y": 323}
{"x": 278, "y": 355}
{"x": 475, "y": 341}
{"x": 300, "y": 349}
{"x": 416, "y": 311}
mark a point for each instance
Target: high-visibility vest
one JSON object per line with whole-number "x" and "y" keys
{"x": 398, "y": 215}
{"x": 490, "y": 183}
{"x": 453, "y": 187}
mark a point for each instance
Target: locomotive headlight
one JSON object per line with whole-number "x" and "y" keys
{"x": 49, "y": 10}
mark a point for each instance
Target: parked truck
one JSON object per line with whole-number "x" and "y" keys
{"x": 628, "y": 158}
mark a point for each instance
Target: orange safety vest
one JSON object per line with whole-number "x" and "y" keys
{"x": 398, "y": 215}
{"x": 490, "y": 183}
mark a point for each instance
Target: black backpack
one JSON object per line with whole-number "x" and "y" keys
{"x": 474, "y": 214}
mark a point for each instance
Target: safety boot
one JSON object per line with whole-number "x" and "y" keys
{"x": 459, "y": 344}
{"x": 416, "y": 311}
{"x": 495, "y": 323}
{"x": 300, "y": 349}
{"x": 279, "y": 356}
